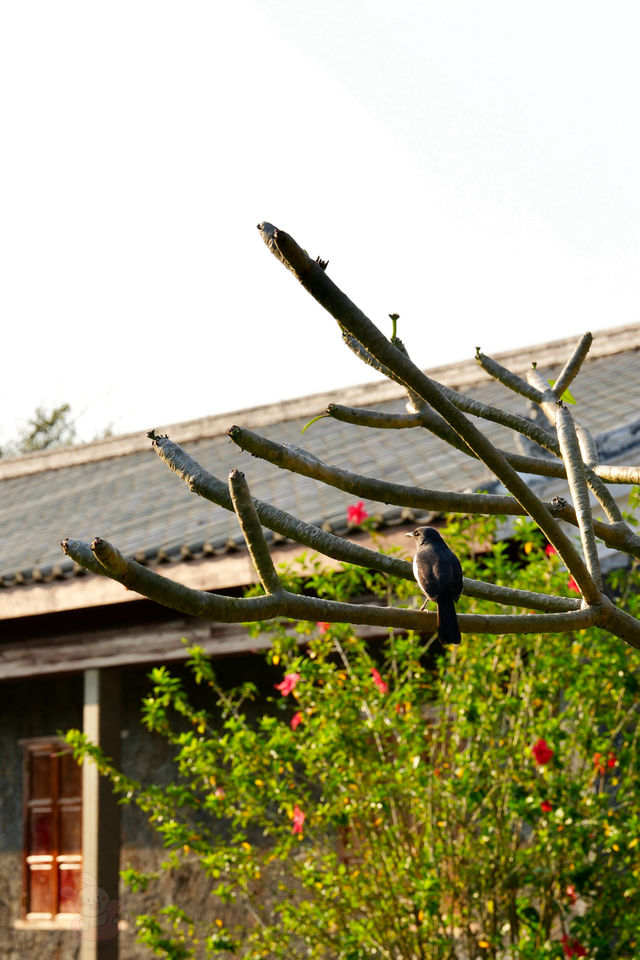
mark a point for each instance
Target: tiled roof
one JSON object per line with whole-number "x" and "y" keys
{"x": 119, "y": 489}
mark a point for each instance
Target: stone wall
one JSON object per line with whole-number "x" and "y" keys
{"x": 44, "y": 707}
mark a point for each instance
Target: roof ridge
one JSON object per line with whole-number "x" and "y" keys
{"x": 459, "y": 374}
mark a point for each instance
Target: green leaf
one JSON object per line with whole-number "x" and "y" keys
{"x": 566, "y": 396}
{"x": 321, "y": 416}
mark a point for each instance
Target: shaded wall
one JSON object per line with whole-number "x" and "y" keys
{"x": 46, "y": 706}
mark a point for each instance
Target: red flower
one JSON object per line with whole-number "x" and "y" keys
{"x": 542, "y": 752}
{"x": 550, "y": 550}
{"x": 572, "y": 585}
{"x": 323, "y": 626}
{"x": 601, "y": 764}
{"x": 356, "y": 513}
{"x": 298, "y": 819}
{"x": 296, "y": 720}
{"x": 379, "y": 682}
{"x": 288, "y": 684}
{"x": 571, "y": 893}
{"x": 573, "y": 948}
{"x": 546, "y": 807}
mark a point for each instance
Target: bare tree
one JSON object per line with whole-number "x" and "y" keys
{"x": 566, "y": 450}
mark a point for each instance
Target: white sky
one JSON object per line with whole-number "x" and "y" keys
{"x": 472, "y": 166}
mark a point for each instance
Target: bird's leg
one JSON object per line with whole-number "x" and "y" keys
{"x": 425, "y": 604}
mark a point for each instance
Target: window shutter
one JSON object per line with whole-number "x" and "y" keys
{"x": 52, "y": 829}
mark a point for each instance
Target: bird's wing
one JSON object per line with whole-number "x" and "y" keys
{"x": 456, "y": 585}
{"x": 425, "y": 568}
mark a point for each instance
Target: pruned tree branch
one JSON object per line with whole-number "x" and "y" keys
{"x": 579, "y": 493}
{"x": 304, "y": 463}
{"x": 202, "y": 482}
{"x": 622, "y": 538}
{"x": 205, "y": 484}
{"x": 588, "y": 447}
{"x": 511, "y": 420}
{"x": 572, "y": 366}
{"x": 414, "y": 402}
{"x": 252, "y": 533}
{"x": 507, "y": 377}
{"x": 545, "y": 396}
{"x": 539, "y": 466}
{"x": 443, "y": 411}
{"x": 618, "y": 474}
{"x": 322, "y": 288}
{"x": 211, "y": 606}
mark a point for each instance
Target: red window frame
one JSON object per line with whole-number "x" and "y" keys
{"x": 52, "y": 823}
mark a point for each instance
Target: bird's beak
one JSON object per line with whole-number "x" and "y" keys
{"x": 408, "y": 534}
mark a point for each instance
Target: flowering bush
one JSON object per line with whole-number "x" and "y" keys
{"x": 392, "y": 802}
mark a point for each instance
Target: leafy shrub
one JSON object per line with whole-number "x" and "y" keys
{"x": 390, "y": 802}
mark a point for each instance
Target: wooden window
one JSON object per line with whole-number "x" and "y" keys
{"x": 52, "y": 866}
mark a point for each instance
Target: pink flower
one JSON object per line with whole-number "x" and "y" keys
{"x": 573, "y": 948}
{"x": 288, "y": 684}
{"x": 379, "y": 682}
{"x": 298, "y": 819}
{"x": 323, "y": 626}
{"x": 542, "y": 752}
{"x": 571, "y": 893}
{"x": 572, "y": 585}
{"x": 356, "y": 513}
{"x": 296, "y": 720}
{"x": 546, "y": 807}
{"x": 550, "y": 550}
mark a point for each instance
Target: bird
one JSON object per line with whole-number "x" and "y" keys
{"x": 439, "y": 576}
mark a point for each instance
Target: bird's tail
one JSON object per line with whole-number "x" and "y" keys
{"x": 448, "y": 628}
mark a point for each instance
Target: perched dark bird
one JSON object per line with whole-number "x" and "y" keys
{"x": 439, "y": 576}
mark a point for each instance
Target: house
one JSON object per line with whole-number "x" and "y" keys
{"x": 75, "y": 647}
